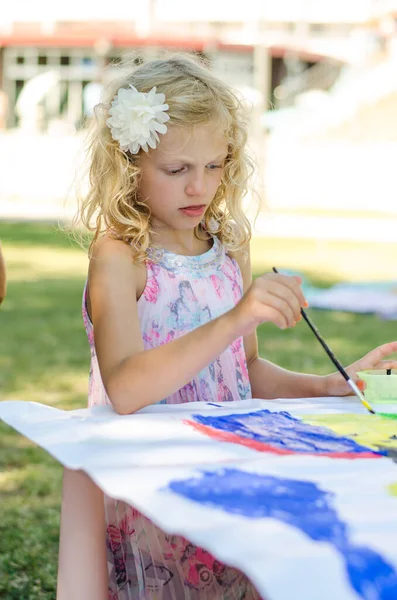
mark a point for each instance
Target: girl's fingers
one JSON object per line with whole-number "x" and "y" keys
{"x": 385, "y": 364}
{"x": 279, "y": 306}
{"x": 282, "y": 292}
{"x": 376, "y": 356}
{"x": 273, "y": 315}
{"x": 288, "y": 296}
{"x": 293, "y": 283}
{"x": 375, "y": 360}
{"x": 283, "y": 304}
{"x": 276, "y": 298}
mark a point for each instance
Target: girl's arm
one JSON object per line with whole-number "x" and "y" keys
{"x": 269, "y": 381}
{"x": 82, "y": 567}
{"x": 134, "y": 377}
{"x": 3, "y": 282}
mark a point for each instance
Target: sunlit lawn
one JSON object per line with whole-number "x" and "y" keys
{"x": 44, "y": 358}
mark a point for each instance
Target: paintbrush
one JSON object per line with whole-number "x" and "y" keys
{"x": 336, "y": 362}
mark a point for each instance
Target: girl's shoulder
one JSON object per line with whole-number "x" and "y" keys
{"x": 112, "y": 258}
{"x": 241, "y": 256}
{"x": 243, "y": 259}
{"x": 107, "y": 247}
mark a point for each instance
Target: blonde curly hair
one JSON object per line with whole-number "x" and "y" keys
{"x": 195, "y": 97}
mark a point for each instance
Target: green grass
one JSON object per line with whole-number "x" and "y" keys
{"x": 328, "y": 261}
{"x": 44, "y": 358}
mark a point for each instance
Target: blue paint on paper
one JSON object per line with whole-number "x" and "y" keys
{"x": 300, "y": 504}
{"x": 281, "y": 430}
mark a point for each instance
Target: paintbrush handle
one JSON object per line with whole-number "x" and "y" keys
{"x": 336, "y": 362}
{"x": 334, "y": 359}
{"x": 325, "y": 346}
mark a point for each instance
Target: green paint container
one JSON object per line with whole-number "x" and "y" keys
{"x": 381, "y": 389}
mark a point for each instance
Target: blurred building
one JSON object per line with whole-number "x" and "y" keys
{"x": 52, "y": 59}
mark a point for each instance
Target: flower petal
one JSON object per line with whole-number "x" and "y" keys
{"x": 160, "y": 127}
{"x": 136, "y": 117}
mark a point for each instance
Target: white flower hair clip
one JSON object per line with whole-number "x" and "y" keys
{"x": 136, "y": 119}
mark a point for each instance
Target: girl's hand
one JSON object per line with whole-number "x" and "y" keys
{"x": 337, "y": 386}
{"x": 271, "y": 298}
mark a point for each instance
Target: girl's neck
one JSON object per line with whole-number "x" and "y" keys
{"x": 183, "y": 242}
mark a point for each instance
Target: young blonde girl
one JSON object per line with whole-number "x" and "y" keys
{"x": 171, "y": 311}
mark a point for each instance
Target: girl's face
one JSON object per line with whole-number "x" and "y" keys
{"x": 181, "y": 176}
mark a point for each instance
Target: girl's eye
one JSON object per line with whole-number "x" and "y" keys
{"x": 175, "y": 171}
{"x": 178, "y": 170}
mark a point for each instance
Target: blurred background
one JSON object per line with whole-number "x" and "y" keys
{"x": 321, "y": 77}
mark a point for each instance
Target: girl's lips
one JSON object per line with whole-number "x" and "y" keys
{"x": 193, "y": 211}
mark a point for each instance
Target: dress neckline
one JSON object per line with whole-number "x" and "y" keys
{"x": 171, "y": 260}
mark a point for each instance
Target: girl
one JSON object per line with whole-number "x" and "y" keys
{"x": 170, "y": 308}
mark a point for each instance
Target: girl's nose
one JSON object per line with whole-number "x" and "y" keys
{"x": 196, "y": 186}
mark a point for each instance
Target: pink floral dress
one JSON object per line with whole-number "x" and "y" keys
{"x": 181, "y": 293}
